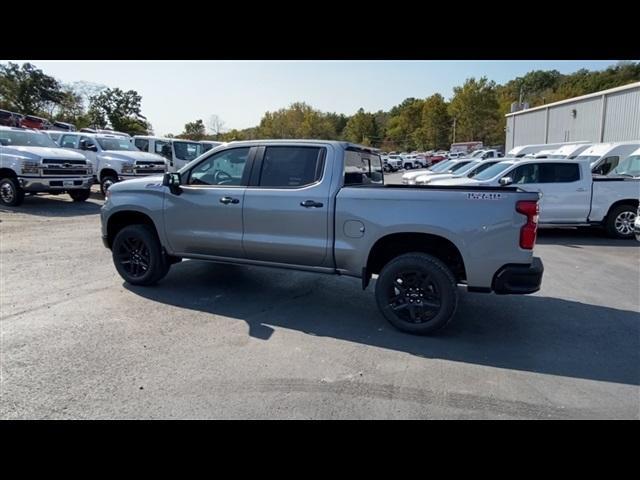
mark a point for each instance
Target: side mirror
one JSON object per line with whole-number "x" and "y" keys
{"x": 504, "y": 181}
{"x": 166, "y": 151}
{"x": 173, "y": 181}
{"x": 4, "y": 142}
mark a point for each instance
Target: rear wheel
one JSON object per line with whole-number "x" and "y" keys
{"x": 79, "y": 195}
{"x": 620, "y": 221}
{"x": 138, "y": 256}
{"x": 417, "y": 293}
{"x": 10, "y": 192}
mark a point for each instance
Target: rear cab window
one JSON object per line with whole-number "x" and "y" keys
{"x": 362, "y": 167}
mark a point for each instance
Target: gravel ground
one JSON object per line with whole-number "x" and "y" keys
{"x": 219, "y": 341}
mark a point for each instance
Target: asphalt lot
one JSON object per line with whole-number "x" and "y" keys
{"x": 218, "y": 341}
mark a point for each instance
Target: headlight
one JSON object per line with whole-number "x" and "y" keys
{"x": 127, "y": 168}
{"x": 31, "y": 167}
{"x": 89, "y": 168}
{"x": 411, "y": 182}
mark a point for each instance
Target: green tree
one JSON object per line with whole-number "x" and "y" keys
{"x": 194, "y": 130}
{"x": 27, "y": 89}
{"x": 435, "y": 128}
{"x": 404, "y": 120}
{"x": 476, "y": 110}
{"x": 119, "y": 109}
{"x": 299, "y": 120}
{"x": 361, "y": 128}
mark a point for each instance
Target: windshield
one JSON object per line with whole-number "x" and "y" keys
{"x": 442, "y": 166}
{"x": 116, "y": 143}
{"x": 493, "y": 171}
{"x": 187, "y": 151}
{"x": 631, "y": 166}
{"x": 591, "y": 158}
{"x": 26, "y": 139}
{"x": 478, "y": 168}
{"x": 458, "y": 166}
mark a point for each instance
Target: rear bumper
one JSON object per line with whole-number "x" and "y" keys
{"x": 48, "y": 184}
{"x": 518, "y": 279}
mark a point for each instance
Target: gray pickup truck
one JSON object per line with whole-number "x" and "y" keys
{"x": 322, "y": 206}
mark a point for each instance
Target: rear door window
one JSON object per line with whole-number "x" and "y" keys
{"x": 559, "y": 172}
{"x": 291, "y": 167}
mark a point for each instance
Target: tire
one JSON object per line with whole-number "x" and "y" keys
{"x": 79, "y": 195}
{"x": 620, "y": 220}
{"x": 407, "y": 166}
{"x": 106, "y": 182}
{"x": 11, "y": 194}
{"x": 405, "y": 308}
{"x": 137, "y": 255}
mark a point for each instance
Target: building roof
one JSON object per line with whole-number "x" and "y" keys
{"x": 576, "y": 99}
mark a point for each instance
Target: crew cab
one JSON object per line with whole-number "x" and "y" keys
{"x": 571, "y": 194}
{"x": 177, "y": 151}
{"x": 322, "y": 206}
{"x": 30, "y": 162}
{"x": 114, "y": 157}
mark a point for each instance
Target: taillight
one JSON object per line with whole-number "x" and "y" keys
{"x": 530, "y": 229}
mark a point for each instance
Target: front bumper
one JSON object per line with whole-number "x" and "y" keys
{"x": 518, "y": 279}
{"x": 49, "y": 184}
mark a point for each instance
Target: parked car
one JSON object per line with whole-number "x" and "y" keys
{"x": 208, "y": 145}
{"x": 636, "y": 225}
{"x": 9, "y": 119}
{"x": 456, "y": 155}
{"x": 30, "y": 162}
{"x": 114, "y": 158}
{"x": 522, "y": 150}
{"x": 604, "y": 157}
{"x": 410, "y": 161}
{"x": 629, "y": 167}
{"x": 68, "y": 127}
{"x": 37, "y": 123}
{"x": 177, "y": 151}
{"x": 468, "y": 169}
{"x": 568, "y": 151}
{"x": 571, "y": 195}
{"x": 435, "y": 159}
{"x": 322, "y": 206}
{"x": 449, "y": 166}
{"x": 395, "y": 162}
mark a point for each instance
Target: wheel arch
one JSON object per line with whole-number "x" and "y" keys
{"x": 123, "y": 218}
{"x": 394, "y": 244}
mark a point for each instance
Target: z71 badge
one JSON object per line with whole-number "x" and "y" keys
{"x": 484, "y": 196}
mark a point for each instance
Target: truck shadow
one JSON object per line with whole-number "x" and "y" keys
{"x": 56, "y": 206}
{"x": 578, "y": 237}
{"x": 529, "y": 333}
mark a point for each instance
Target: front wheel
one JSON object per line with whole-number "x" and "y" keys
{"x": 106, "y": 182}
{"x": 417, "y": 293}
{"x": 11, "y": 194}
{"x": 620, "y": 221}
{"x": 138, "y": 256}
{"x": 79, "y": 195}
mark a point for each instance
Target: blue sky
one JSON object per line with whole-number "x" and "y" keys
{"x": 239, "y": 92}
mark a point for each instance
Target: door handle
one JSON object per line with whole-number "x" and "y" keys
{"x": 311, "y": 204}
{"x": 581, "y": 189}
{"x": 228, "y": 200}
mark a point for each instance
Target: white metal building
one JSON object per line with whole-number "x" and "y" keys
{"x": 608, "y": 116}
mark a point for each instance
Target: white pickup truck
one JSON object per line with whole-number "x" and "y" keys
{"x": 571, "y": 195}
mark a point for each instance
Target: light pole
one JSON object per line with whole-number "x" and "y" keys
{"x": 454, "y": 130}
